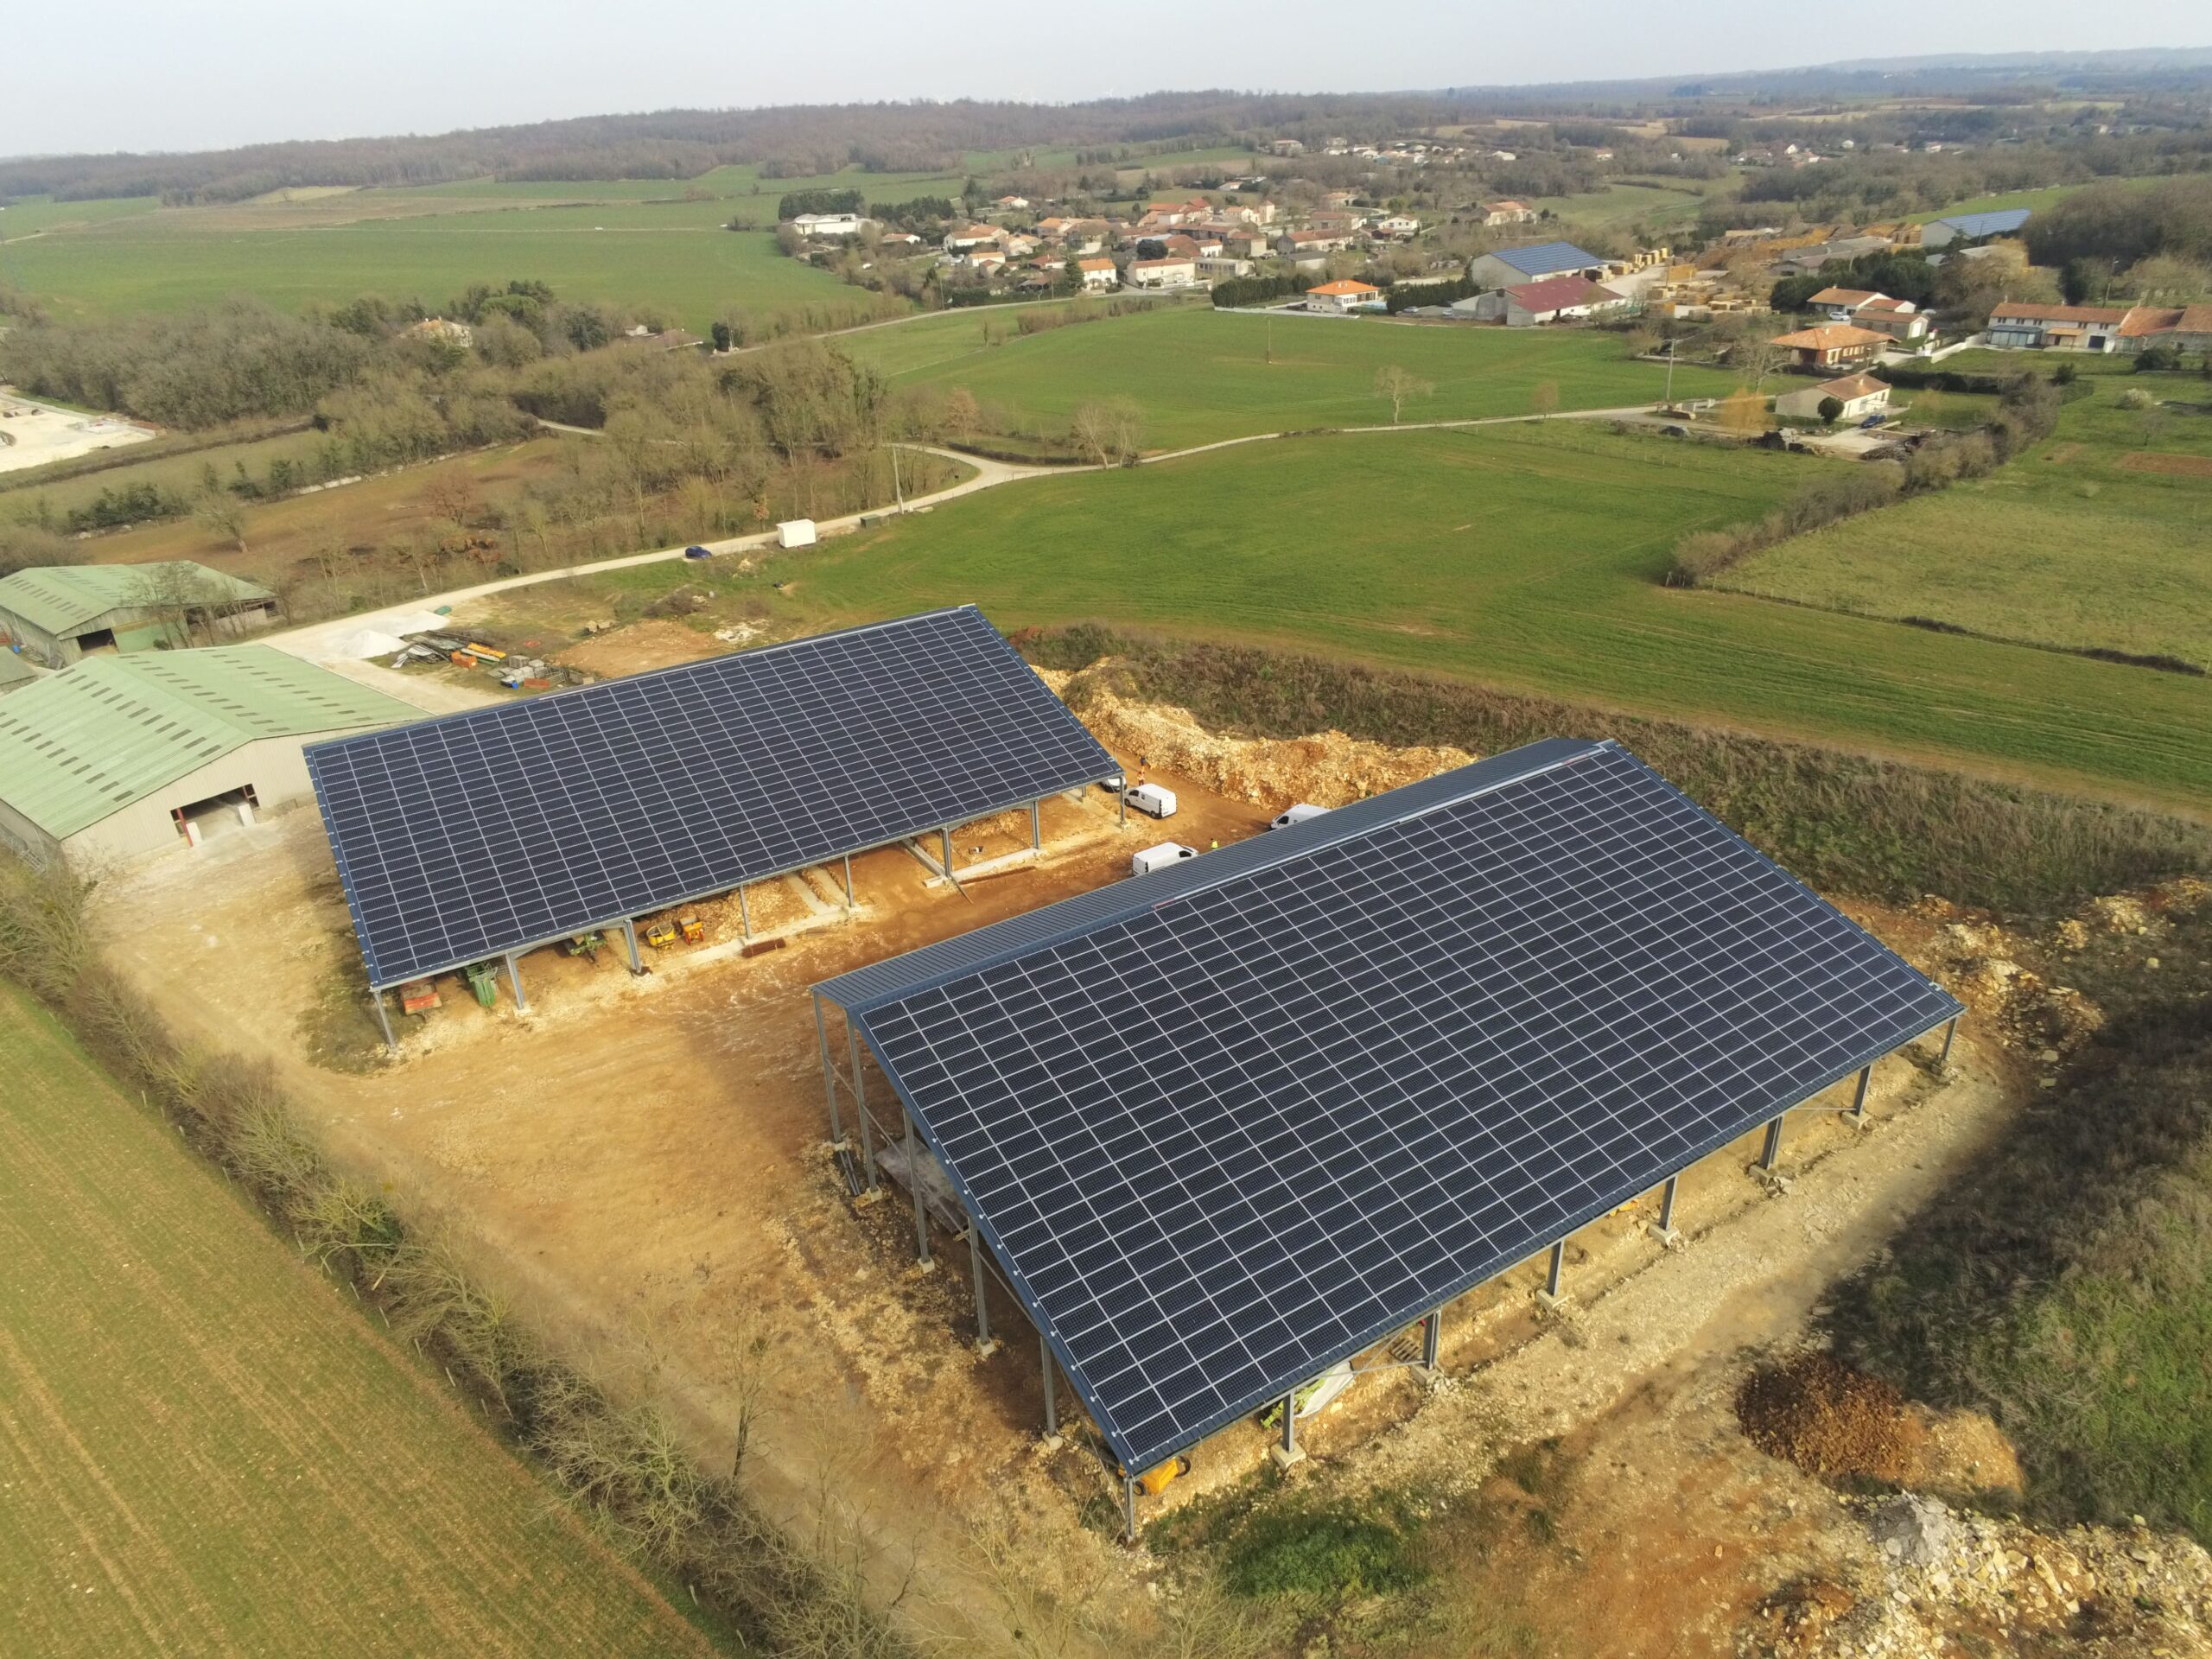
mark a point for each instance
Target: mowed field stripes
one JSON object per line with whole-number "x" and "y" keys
{"x": 206, "y": 1449}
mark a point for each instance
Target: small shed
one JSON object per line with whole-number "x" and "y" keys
{"x": 60, "y": 612}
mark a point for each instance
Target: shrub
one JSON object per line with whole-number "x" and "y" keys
{"x": 2136, "y": 397}
{"x": 1321, "y": 1555}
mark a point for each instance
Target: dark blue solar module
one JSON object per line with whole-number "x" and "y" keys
{"x": 1226, "y": 1125}
{"x": 459, "y": 838}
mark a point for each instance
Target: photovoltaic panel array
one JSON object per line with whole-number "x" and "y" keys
{"x": 463, "y": 837}
{"x": 1224, "y": 1128}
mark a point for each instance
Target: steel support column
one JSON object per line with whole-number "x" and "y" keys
{"x": 514, "y": 978}
{"x": 849, "y": 880}
{"x": 744, "y": 913}
{"x": 1555, "y": 1269}
{"x": 1667, "y": 1204}
{"x": 1129, "y": 1508}
{"x": 915, "y": 1152}
{"x": 1858, "y": 1094}
{"x": 1772, "y": 1148}
{"x": 376, "y": 998}
{"x": 1950, "y": 1033}
{"x": 630, "y": 939}
{"x": 1051, "y": 1392}
{"x": 860, "y": 1102}
{"x": 1290, "y": 1452}
{"x": 830, "y": 1090}
{"x": 945, "y": 839}
{"x": 983, "y": 1342}
{"x": 1431, "y": 1338}
{"x": 1036, "y": 827}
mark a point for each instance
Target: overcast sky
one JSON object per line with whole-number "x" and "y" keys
{"x": 126, "y": 74}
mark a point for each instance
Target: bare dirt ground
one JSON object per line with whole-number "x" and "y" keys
{"x": 641, "y": 1161}
{"x": 33, "y": 433}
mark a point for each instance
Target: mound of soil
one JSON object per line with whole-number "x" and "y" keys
{"x": 1820, "y": 1414}
{"x": 2173, "y": 466}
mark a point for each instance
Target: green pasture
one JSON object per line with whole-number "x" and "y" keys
{"x": 205, "y": 1447}
{"x": 2073, "y": 546}
{"x": 43, "y": 216}
{"x": 1202, "y": 375}
{"x": 1619, "y": 206}
{"x": 1523, "y": 556}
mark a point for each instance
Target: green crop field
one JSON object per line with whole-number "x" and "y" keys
{"x": 1202, "y": 375}
{"x": 669, "y": 254}
{"x": 1526, "y": 556}
{"x": 204, "y": 1449}
{"x": 2076, "y": 546}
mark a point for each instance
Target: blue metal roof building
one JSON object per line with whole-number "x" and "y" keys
{"x": 1505, "y": 267}
{"x": 1972, "y": 227}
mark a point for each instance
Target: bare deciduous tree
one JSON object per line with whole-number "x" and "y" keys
{"x": 1397, "y": 386}
{"x": 1109, "y": 430}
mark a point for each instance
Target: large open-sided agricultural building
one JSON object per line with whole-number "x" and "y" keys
{"x": 1225, "y": 1126}
{"x": 480, "y": 837}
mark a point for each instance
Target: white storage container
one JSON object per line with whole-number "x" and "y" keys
{"x": 795, "y": 533}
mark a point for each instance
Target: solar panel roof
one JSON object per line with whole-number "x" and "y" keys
{"x": 459, "y": 838}
{"x": 1229, "y": 1123}
{"x": 1543, "y": 258}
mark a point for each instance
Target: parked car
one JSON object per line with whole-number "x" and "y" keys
{"x": 1160, "y": 857}
{"x": 698, "y": 553}
{"x": 1297, "y": 814}
{"x": 1156, "y": 799}
{"x": 1115, "y": 785}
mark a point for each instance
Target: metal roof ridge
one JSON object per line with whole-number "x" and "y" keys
{"x": 870, "y": 987}
{"x": 495, "y": 709}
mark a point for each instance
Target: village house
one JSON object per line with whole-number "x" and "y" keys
{"x": 2181, "y": 329}
{"x": 1398, "y": 225}
{"x": 1217, "y": 267}
{"x": 1293, "y": 244}
{"x": 1011, "y": 204}
{"x": 1163, "y": 273}
{"x": 1901, "y": 320}
{"x": 2056, "y": 327}
{"x": 1097, "y": 275}
{"x": 1861, "y": 395}
{"x": 965, "y": 238}
{"x": 1508, "y": 212}
{"x": 1341, "y": 295}
{"x": 1832, "y": 346}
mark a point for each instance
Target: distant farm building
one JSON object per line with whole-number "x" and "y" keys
{"x": 828, "y": 224}
{"x": 1163, "y": 273}
{"x": 1510, "y": 267}
{"x": 58, "y": 614}
{"x": 1508, "y": 212}
{"x": 119, "y": 756}
{"x": 1557, "y": 299}
{"x": 1972, "y": 227}
{"x": 2181, "y": 329}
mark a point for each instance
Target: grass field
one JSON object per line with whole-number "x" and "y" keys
{"x": 204, "y": 1450}
{"x": 1521, "y": 556}
{"x": 2074, "y": 546}
{"x": 1202, "y": 374}
{"x": 1619, "y": 206}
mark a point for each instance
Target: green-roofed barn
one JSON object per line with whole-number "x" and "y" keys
{"x": 117, "y": 757}
{"x": 59, "y": 613}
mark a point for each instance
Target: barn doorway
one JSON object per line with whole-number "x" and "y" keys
{"x": 233, "y": 809}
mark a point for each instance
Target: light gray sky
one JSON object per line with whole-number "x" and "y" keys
{"x": 128, "y": 74}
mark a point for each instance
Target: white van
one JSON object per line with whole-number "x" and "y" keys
{"x": 1297, "y": 814}
{"x": 1160, "y": 857}
{"x": 1155, "y": 798}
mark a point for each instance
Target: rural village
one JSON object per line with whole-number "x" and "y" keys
{"x": 1219, "y": 874}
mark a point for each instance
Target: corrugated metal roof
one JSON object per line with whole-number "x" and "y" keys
{"x": 1545, "y": 257}
{"x": 62, "y": 597}
{"x": 1994, "y": 223}
{"x": 106, "y": 731}
{"x": 933, "y": 964}
{"x": 14, "y": 670}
